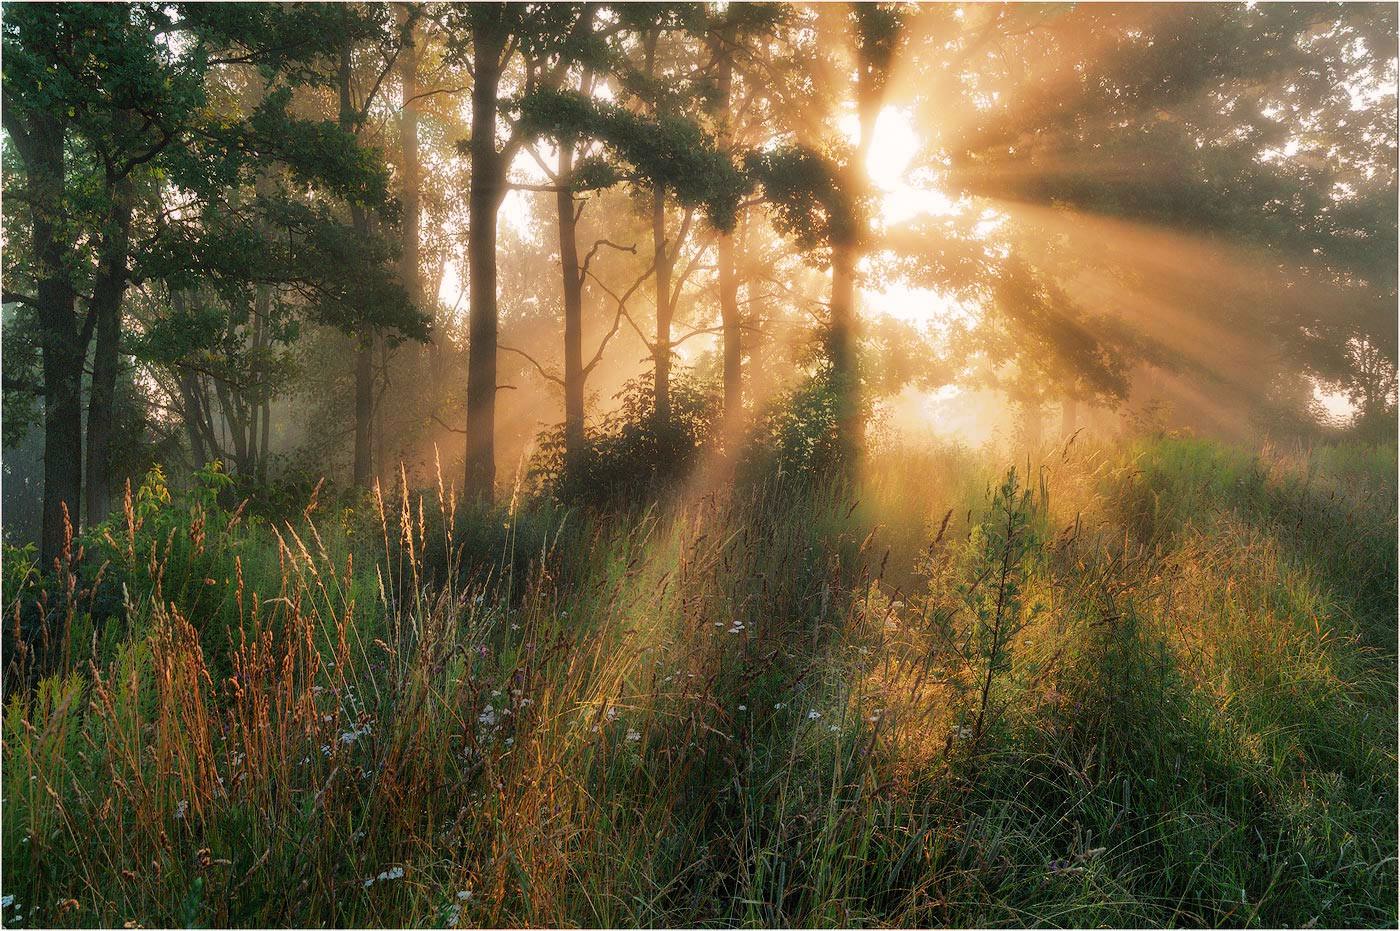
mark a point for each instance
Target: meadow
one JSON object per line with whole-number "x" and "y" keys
{"x": 1143, "y": 683}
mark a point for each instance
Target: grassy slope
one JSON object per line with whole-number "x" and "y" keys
{"x": 1158, "y": 687}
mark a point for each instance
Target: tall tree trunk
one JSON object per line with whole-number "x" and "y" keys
{"x": 108, "y": 289}
{"x": 573, "y": 309}
{"x": 486, "y": 191}
{"x": 409, "y": 255}
{"x": 362, "y": 468}
{"x": 1069, "y": 416}
{"x": 731, "y": 323}
{"x": 194, "y": 417}
{"x": 364, "y": 410}
{"x": 236, "y": 424}
{"x": 38, "y": 136}
{"x": 262, "y": 309}
{"x": 845, "y": 254}
{"x": 841, "y": 351}
{"x": 662, "y": 346}
{"x": 730, "y": 320}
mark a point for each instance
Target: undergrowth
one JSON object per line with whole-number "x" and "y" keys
{"x": 1148, "y": 685}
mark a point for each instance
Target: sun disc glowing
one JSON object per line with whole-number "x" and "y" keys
{"x": 894, "y": 144}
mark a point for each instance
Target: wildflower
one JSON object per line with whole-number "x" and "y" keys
{"x": 465, "y": 895}
{"x": 487, "y": 718}
{"x": 778, "y": 706}
{"x": 743, "y": 707}
{"x": 495, "y": 693}
{"x": 612, "y": 714}
{"x": 813, "y": 714}
{"x": 180, "y": 808}
{"x": 7, "y": 901}
{"x": 389, "y": 875}
{"x": 633, "y": 736}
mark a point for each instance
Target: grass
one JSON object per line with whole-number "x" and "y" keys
{"x": 1146, "y": 685}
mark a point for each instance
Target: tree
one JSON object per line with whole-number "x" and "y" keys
{"x": 490, "y": 37}
{"x": 89, "y": 92}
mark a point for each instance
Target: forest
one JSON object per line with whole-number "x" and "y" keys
{"x": 699, "y": 464}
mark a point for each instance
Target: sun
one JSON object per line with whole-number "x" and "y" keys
{"x": 893, "y": 149}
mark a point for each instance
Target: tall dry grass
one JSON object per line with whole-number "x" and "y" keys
{"x": 1141, "y": 685}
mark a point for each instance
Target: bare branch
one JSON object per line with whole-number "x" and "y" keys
{"x": 533, "y": 361}
{"x": 550, "y": 173}
{"x": 622, "y": 299}
{"x": 598, "y": 356}
{"x": 447, "y": 426}
{"x": 539, "y": 188}
{"x": 583, "y": 269}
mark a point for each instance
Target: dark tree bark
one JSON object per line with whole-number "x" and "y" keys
{"x": 362, "y": 468}
{"x": 38, "y": 137}
{"x": 191, "y": 399}
{"x": 661, "y": 349}
{"x": 109, "y": 289}
{"x": 487, "y": 189}
{"x": 730, "y": 320}
{"x": 841, "y": 350}
{"x": 573, "y": 308}
{"x": 262, "y": 412}
{"x": 846, "y": 249}
{"x": 409, "y": 255}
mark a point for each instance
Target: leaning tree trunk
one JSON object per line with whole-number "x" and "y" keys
{"x": 573, "y": 309}
{"x": 487, "y": 188}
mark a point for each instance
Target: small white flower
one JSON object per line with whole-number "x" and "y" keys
{"x": 487, "y": 718}
{"x": 778, "y": 706}
{"x": 743, "y": 707}
{"x": 813, "y": 715}
{"x": 7, "y": 901}
{"x": 389, "y": 875}
{"x": 633, "y": 736}
{"x": 181, "y": 807}
{"x": 464, "y": 896}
